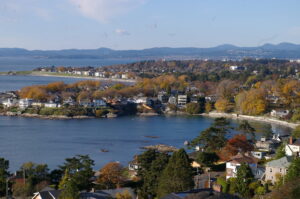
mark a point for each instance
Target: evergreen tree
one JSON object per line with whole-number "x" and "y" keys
{"x": 151, "y": 163}
{"x": 80, "y": 170}
{"x": 4, "y": 165}
{"x": 70, "y": 190}
{"x": 244, "y": 178}
{"x": 177, "y": 176}
{"x": 294, "y": 169}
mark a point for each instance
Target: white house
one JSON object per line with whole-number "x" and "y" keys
{"x": 124, "y": 76}
{"x": 25, "y": 103}
{"x": 52, "y": 105}
{"x": 172, "y": 100}
{"x": 280, "y": 113}
{"x": 236, "y": 161}
{"x": 10, "y": 102}
{"x": 182, "y": 100}
{"x": 293, "y": 147}
{"x": 143, "y": 100}
{"x": 99, "y": 74}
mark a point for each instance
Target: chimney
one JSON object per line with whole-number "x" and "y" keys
{"x": 291, "y": 140}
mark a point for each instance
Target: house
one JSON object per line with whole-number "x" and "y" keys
{"x": 52, "y": 105}
{"x": 277, "y": 168}
{"x": 99, "y": 74}
{"x": 235, "y": 162}
{"x": 143, "y": 100}
{"x": 86, "y": 103}
{"x": 70, "y": 101}
{"x": 47, "y": 193}
{"x": 280, "y": 113}
{"x": 107, "y": 194}
{"x": 293, "y": 147}
{"x": 237, "y": 68}
{"x": 266, "y": 145}
{"x": 99, "y": 103}
{"x": 10, "y": 102}
{"x": 258, "y": 154}
{"x": 172, "y": 100}
{"x": 182, "y": 100}
{"x": 87, "y": 73}
{"x": 77, "y": 72}
{"x": 25, "y": 103}
{"x": 163, "y": 98}
{"x": 211, "y": 98}
{"x": 124, "y": 76}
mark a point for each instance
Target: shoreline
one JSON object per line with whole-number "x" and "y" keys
{"x": 210, "y": 115}
{"x": 253, "y": 118}
{"x": 36, "y": 74}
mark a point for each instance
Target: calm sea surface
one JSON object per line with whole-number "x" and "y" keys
{"x": 23, "y": 63}
{"x": 51, "y": 141}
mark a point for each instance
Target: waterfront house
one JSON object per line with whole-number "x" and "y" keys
{"x": 124, "y": 76}
{"x": 25, "y": 103}
{"x": 282, "y": 114}
{"x": 277, "y": 168}
{"x": 97, "y": 103}
{"x": 86, "y": 103}
{"x": 182, "y": 100}
{"x": 10, "y": 102}
{"x": 70, "y": 101}
{"x": 52, "y": 104}
{"x": 143, "y": 100}
{"x": 293, "y": 147}
{"x": 211, "y": 98}
{"x": 172, "y": 100}
{"x": 235, "y": 162}
{"x": 163, "y": 98}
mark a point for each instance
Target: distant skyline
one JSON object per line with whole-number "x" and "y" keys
{"x": 140, "y": 24}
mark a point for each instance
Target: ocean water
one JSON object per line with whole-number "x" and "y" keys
{"x": 24, "y": 63}
{"x": 51, "y": 141}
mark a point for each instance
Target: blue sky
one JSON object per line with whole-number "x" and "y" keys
{"x": 139, "y": 24}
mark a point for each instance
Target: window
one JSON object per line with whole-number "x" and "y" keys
{"x": 280, "y": 170}
{"x": 270, "y": 169}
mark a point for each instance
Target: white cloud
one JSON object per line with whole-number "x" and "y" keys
{"x": 104, "y": 10}
{"x": 122, "y": 32}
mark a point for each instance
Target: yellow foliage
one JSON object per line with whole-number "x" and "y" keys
{"x": 223, "y": 105}
{"x": 252, "y": 102}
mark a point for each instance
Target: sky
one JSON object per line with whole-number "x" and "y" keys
{"x": 140, "y": 24}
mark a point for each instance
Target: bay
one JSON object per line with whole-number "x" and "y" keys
{"x": 51, "y": 141}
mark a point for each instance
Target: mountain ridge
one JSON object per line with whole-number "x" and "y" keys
{"x": 282, "y": 50}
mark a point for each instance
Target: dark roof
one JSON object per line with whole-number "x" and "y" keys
{"x": 199, "y": 194}
{"x": 53, "y": 194}
{"x": 106, "y": 194}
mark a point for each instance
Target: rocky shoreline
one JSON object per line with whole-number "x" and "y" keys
{"x": 235, "y": 116}
{"x": 49, "y": 117}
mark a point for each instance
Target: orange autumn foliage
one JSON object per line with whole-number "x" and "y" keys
{"x": 238, "y": 143}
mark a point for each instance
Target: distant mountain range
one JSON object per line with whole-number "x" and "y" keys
{"x": 282, "y": 51}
